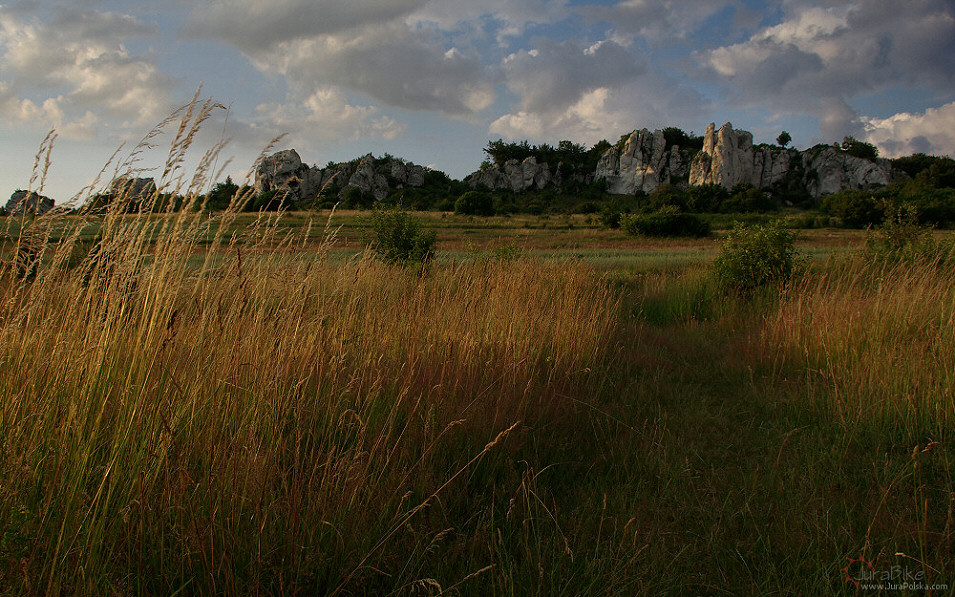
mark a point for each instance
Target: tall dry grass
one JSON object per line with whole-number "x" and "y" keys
{"x": 186, "y": 409}
{"x": 875, "y": 340}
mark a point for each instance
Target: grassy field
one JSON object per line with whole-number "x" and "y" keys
{"x": 239, "y": 405}
{"x": 252, "y": 410}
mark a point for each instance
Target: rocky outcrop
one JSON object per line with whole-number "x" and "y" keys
{"x": 517, "y": 176}
{"x": 367, "y": 178}
{"x": 829, "y": 170}
{"x": 284, "y": 171}
{"x": 26, "y": 202}
{"x": 729, "y": 157}
{"x": 641, "y": 164}
{"x": 132, "y": 189}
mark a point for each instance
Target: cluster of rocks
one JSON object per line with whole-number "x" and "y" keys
{"x": 133, "y": 189}
{"x": 27, "y": 203}
{"x": 284, "y": 171}
{"x": 130, "y": 188}
{"x": 524, "y": 175}
{"x": 644, "y": 161}
{"x": 640, "y": 163}
{"x": 729, "y": 157}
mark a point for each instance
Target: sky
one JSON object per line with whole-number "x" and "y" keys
{"x": 432, "y": 81}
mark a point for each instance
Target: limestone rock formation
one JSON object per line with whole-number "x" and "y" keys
{"x": 368, "y": 179}
{"x": 25, "y": 202}
{"x": 729, "y": 157}
{"x": 516, "y": 176}
{"x": 830, "y": 171}
{"x": 132, "y": 189}
{"x": 641, "y": 164}
{"x": 284, "y": 171}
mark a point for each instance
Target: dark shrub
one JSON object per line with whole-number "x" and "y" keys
{"x": 746, "y": 198}
{"x": 666, "y": 195}
{"x": 474, "y": 203}
{"x": 706, "y": 197}
{"x": 860, "y": 149}
{"x": 856, "y": 209}
{"x": 610, "y": 217}
{"x": 273, "y": 200}
{"x": 754, "y": 256}
{"x": 399, "y": 238}
{"x": 901, "y": 238}
{"x": 667, "y": 221}
{"x": 354, "y": 198}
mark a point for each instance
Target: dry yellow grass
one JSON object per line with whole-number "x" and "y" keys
{"x": 880, "y": 339}
{"x": 262, "y": 397}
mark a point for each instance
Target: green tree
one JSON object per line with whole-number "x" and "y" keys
{"x": 755, "y": 256}
{"x": 399, "y": 238}
{"x": 474, "y": 203}
{"x": 221, "y": 195}
{"x": 783, "y": 139}
{"x": 860, "y": 149}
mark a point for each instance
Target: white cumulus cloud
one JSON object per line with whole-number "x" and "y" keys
{"x": 820, "y": 57}
{"x": 326, "y": 116}
{"x": 931, "y": 132}
{"x": 74, "y": 70}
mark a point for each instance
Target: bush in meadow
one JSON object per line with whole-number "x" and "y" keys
{"x": 399, "y": 238}
{"x": 666, "y": 221}
{"x": 755, "y": 256}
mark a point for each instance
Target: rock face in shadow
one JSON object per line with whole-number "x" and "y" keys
{"x": 26, "y": 203}
{"x": 642, "y": 163}
{"x": 284, "y": 171}
{"x": 517, "y": 176}
{"x": 132, "y": 189}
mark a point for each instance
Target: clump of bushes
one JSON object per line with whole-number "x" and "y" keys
{"x": 474, "y": 203}
{"x": 856, "y": 209}
{"x": 399, "y": 238}
{"x": 901, "y": 238}
{"x": 752, "y": 257}
{"x": 610, "y": 217}
{"x": 666, "y": 221}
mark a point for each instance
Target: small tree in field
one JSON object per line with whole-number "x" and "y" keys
{"x": 474, "y": 203}
{"x": 754, "y": 256}
{"x": 399, "y": 238}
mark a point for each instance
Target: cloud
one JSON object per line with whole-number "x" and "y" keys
{"x": 818, "y": 58}
{"x": 255, "y": 25}
{"x": 556, "y": 75}
{"x": 370, "y": 46}
{"x": 505, "y": 19}
{"x": 326, "y": 116}
{"x": 74, "y": 69}
{"x": 932, "y": 132}
{"x": 651, "y": 100}
{"x": 658, "y": 21}
{"x": 390, "y": 62}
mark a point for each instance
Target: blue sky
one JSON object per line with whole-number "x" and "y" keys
{"x": 433, "y": 80}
